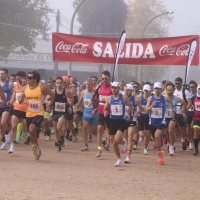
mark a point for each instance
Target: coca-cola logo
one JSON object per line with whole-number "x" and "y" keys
{"x": 69, "y": 48}
{"x": 174, "y": 51}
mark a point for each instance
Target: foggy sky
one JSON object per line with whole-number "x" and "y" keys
{"x": 186, "y": 16}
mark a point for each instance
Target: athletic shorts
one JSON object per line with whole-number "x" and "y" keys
{"x": 2, "y": 110}
{"x": 70, "y": 116}
{"x": 196, "y": 123}
{"x": 19, "y": 114}
{"x": 91, "y": 120}
{"x": 37, "y": 121}
{"x": 11, "y": 110}
{"x": 143, "y": 123}
{"x": 154, "y": 128}
{"x": 80, "y": 114}
{"x": 101, "y": 120}
{"x": 57, "y": 116}
{"x": 189, "y": 117}
{"x": 168, "y": 120}
{"x": 117, "y": 125}
{"x": 130, "y": 124}
{"x": 181, "y": 120}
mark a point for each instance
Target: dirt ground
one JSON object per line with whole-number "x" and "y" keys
{"x": 72, "y": 174}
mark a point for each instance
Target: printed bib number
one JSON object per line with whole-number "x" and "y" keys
{"x": 197, "y": 106}
{"x": 18, "y": 96}
{"x": 60, "y": 107}
{"x": 168, "y": 113}
{"x": 102, "y": 99}
{"x": 5, "y": 96}
{"x": 156, "y": 112}
{"x": 144, "y": 107}
{"x": 116, "y": 110}
{"x": 127, "y": 111}
{"x": 34, "y": 106}
{"x": 87, "y": 103}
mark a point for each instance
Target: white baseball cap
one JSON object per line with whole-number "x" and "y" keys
{"x": 129, "y": 86}
{"x": 198, "y": 86}
{"x": 115, "y": 84}
{"x": 157, "y": 85}
{"x": 147, "y": 87}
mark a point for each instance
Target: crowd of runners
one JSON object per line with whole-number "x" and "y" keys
{"x": 116, "y": 112}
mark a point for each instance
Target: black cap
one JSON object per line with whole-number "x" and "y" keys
{"x": 179, "y": 79}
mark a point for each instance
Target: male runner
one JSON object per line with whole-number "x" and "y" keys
{"x": 116, "y": 104}
{"x": 34, "y": 108}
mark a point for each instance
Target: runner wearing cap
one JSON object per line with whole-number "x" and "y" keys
{"x": 131, "y": 124}
{"x": 116, "y": 103}
{"x": 143, "y": 118}
{"x": 195, "y": 103}
{"x": 156, "y": 108}
{"x": 34, "y": 108}
{"x": 101, "y": 93}
{"x": 170, "y": 120}
{"x": 181, "y": 116}
{"x": 121, "y": 85}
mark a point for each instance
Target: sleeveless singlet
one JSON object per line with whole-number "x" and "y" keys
{"x": 18, "y": 94}
{"x": 7, "y": 93}
{"x": 143, "y": 103}
{"x": 196, "y": 115}
{"x": 168, "y": 112}
{"x": 117, "y": 107}
{"x": 157, "y": 113}
{"x": 34, "y": 102}
{"x": 132, "y": 100}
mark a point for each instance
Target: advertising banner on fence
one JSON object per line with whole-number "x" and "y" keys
{"x": 142, "y": 51}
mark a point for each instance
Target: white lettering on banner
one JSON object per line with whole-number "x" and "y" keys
{"x": 156, "y": 113}
{"x": 137, "y": 50}
{"x": 34, "y": 106}
{"x": 116, "y": 110}
{"x": 67, "y": 48}
{"x": 60, "y": 107}
{"x": 174, "y": 51}
{"x": 197, "y": 106}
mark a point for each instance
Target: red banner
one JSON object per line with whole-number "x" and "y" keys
{"x": 148, "y": 51}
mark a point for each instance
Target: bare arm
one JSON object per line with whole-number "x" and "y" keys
{"x": 170, "y": 102}
{"x": 3, "y": 97}
{"x": 47, "y": 91}
{"x": 69, "y": 95}
{"x": 107, "y": 104}
{"x": 80, "y": 99}
{"x": 179, "y": 100}
{"x": 126, "y": 100}
{"x": 21, "y": 100}
{"x": 149, "y": 105}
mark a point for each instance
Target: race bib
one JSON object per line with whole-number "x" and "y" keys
{"x": 156, "y": 112}
{"x": 102, "y": 99}
{"x": 144, "y": 107}
{"x": 5, "y": 96}
{"x": 60, "y": 107}
{"x": 34, "y": 106}
{"x": 87, "y": 103}
{"x": 18, "y": 96}
{"x": 168, "y": 113}
{"x": 197, "y": 106}
{"x": 127, "y": 111}
{"x": 116, "y": 110}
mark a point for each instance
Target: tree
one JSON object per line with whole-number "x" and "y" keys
{"x": 21, "y": 21}
{"x": 140, "y": 12}
{"x": 102, "y": 16}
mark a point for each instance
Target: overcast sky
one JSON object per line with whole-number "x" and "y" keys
{"x": 186, "y": 16}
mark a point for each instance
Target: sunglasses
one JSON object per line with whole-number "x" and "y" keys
{"x": 192, "y": 86}
{"x": 104, "y": 78}
{"x": 30, "y": 77}
{"x": 49, "y": 85}
{"x": 177, "y": 83}
{"x": 135, "y": 86}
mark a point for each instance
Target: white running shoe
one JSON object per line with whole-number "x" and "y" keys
{"x": 191, "y": 147}
{"x": 127, "y": 160}
{"x": 7, "y": 138}
{"x": 3, "y": 146}
{"x": 118, "y": 163}
{"x": 140, "y": 139}
{"x": 12, "y": 149}
{"x": 171, "y": 151}
{"x": 124, "y": 147}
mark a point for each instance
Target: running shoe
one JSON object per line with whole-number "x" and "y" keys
{"x": 12, "y": 149}
{"x": 89, "y": 138}
{"x": 80, "y": 126}
{"x": 85, "y": 148}
{"x": 48, "y": 138}
{"x": 134, "y": 147}
{"x": 59, "y": 149}
{"x": 74, "y": 139}
{"x": 17, "y": 140}
{"x": 67, "y": 134}
{"x": 70, "y": 137}
{"x": 3, "y": 146}
{"x": 25, "y": 135}
{"x": 196, "y": 153}
{"x": 145, "y": 152}
{"x": 63, "y": 143}
{"x": 56, "y": 144}
{"x": 171, "y": 151}
{"x": 191, "y": 147}
{"x": 184, "y": 145}
{"x": 161, "y": 157}
{"x": 140, "y": 139}
{"x": 7, "y": 137}
{"x": 36, "y": 153}
{"x": 124, "y": 147}
{"x": 99, "y": 153}
{"x": 27, "y": 142}
{"x": 38, "y": 157}
{"x": 165, "y": 140}
{"x": 118, "y": 163}
{"x": 187, "y": 143}
{"x": 127, "y": 160}
{"x": 103, "y": 142}
{"x": 106, "y": 147}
